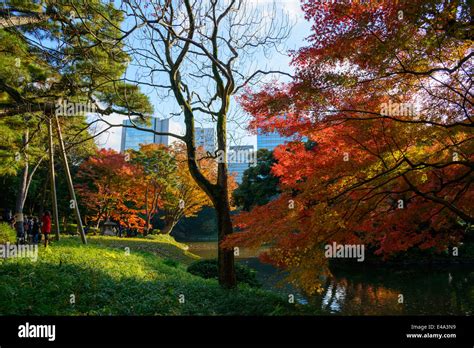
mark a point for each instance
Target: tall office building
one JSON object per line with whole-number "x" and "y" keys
{"x": 205, "y": 137}
{"x": 240, "y": 158}
{"x": 270, "y": 140}
{"x": 132, "y": 137}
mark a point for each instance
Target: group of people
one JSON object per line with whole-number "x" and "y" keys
{"x": 34, "y": 230}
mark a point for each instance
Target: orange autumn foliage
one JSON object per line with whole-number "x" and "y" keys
{"x": 370, "y": 173}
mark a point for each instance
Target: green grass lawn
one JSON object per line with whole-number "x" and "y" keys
{"x": 163, "y": 246}
{"x": 107, "y": 281}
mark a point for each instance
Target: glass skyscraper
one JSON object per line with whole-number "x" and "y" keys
{"x": 264, "y": 141}
{"x": 132, "y": 137}
{"x": 240, "y": 158}
{"x": 270, "y": 140}
{"x": 205, "y": 137}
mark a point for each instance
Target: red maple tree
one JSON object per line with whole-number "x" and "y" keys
{"x": 382, "y": 94}
{"x": 108, "y": 186}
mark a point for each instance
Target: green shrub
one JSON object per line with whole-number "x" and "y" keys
{"x": 7, "y": 234}
{"x": 171, "y": 263}
{"x": 208, "y": 269}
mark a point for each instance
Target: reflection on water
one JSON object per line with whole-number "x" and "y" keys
{"x": 362, "y": 298}
{"x": 374, "y": 291}
{"x": 335, "y": 295}
{"x": 390, "y": 292}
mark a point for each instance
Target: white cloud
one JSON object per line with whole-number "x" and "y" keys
{"x": 110, "y": 138}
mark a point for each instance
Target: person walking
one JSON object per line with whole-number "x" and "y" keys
{"x": 46, "y": 227}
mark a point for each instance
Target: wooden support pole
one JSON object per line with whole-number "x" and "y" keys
{"x": 69, "y": 181}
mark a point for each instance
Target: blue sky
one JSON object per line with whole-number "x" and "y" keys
{"x": 236, "y": 130}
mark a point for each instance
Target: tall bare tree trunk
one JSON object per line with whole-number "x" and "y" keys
{"x": 54, "y": 198}
{"x": 22, "y": 189}
{"x": 218, "y": 193}
{"x": 226, "y": 262}
{"x": 225, "y": 256}
{"x": 147, "y": 212}
{"x": 44, "y": 195}
{"x": 169, "y": 225}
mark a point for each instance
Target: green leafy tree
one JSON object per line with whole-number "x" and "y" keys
{"x": 158, "y": 178}
{"x": 258, "y": 183}
{"x": 55, "y": 52}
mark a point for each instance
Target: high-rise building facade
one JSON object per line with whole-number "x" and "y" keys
{"x": 205, "y": 137}
{"x": 132, "y": 137}
{"x": 270, "y": 140}
{"x": 166, "y": 126}
{"x": 239, "y": 159}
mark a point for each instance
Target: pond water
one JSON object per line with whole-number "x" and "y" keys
{"x": 425, "y": 290}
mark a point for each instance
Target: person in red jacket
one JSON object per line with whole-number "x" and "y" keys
{"x": 46, "y": 227}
